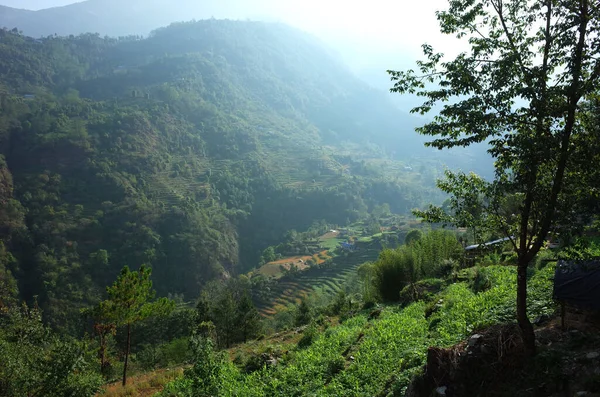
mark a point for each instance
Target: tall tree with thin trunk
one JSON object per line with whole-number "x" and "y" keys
{"x": 518, "y": 88}
{"x": 130, "y": 300}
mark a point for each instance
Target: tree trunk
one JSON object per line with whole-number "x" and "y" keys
{"x": 522, "y": 319}
{"x": 127, "y": 349}
{"x": 102, "y": 352}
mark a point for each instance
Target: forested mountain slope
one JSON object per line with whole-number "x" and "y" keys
{"x": 191, "y": 150}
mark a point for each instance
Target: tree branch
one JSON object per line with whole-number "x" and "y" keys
{"x": 574, "y": 95}
{"x": 498, "y": 7}
{"x": 505, "y": 230}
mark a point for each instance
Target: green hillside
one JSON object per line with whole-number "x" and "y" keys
{"x": 371, "y": 353}
{"x": 192, "y": 151}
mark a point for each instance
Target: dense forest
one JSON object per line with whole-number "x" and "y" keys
{"x": 191, "y": 151}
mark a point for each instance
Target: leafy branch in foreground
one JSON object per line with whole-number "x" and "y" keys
{"x": 522, "y": 88}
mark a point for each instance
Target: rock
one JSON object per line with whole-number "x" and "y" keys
{"x": 474, "y": 340}
{"x": 592, "y": 355}
{"x": 441, "y": 391}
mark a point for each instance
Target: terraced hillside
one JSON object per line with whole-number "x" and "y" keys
{"x": 289, "y": 290}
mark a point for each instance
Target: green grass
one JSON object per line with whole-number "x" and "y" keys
{"x": 331, "y": 243}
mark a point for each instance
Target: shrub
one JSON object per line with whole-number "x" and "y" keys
{"x": 480, "y": 281}
{"x": 393, "y": 271}
{"x": 423, "y": 290}
{"x": 309, "y": 335}
{"x": 304, "y": 314}
{"x": 334, "y": 366}
{"x": 412, "y": 236}
{"x": 433, "y": 255}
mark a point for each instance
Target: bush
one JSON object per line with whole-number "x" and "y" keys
{"x": 412, "y": 236}
{"x": 334, "y": 366}
{"x": 309, "y": 335}
{"x": 304, "y": 314}
{"x": 175, "y": 352}
{"x": 283, "y": 320}
{"x": 433, "y": 255}
{"x": 339, "y": 304}
{"x": 423, "y": 290}
{"x": 393, "y": 271}
{"x": 480, "y": 281}
{"x": 543, "y": 258}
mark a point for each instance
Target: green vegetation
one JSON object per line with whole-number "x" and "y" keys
{"x": 179, "y": 154}
{"x": 245, "y": 172}
{"x": 435, "y": 254}
{"x": 39, "y": 362}
{"x": 363, "y": 357}
{"x": 229, "y": 308}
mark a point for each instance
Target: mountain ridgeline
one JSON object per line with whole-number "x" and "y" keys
{"x": 122, "y": 18}
{"x": 191, "y": 150}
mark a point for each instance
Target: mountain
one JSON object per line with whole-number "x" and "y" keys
{"x": 122, "y": 18}
{"x": 191, "y": 150}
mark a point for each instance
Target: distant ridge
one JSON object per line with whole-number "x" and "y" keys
{"x": 121, "y": 18}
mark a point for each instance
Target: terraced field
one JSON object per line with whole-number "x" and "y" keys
{"x": 291, "y": 290}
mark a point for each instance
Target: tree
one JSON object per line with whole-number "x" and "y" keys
{"x": 104, "y": 328}
{"x": 224, "y": 314}
{"x": 8, "y": 284}
{"x": 249, "y": 321}
{"x": 269, "y": 255}
{"x": 129, "y": 301}
{"x": 304, "y": 315}
{"x": 520, "y": 89}
{"x": 37, "y": 362}
{"x": 413, "y": 235}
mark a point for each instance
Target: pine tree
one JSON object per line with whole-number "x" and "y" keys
{"x": 129, "y": 301}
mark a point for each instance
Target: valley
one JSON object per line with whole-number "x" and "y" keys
{"x": 222, "y": 207}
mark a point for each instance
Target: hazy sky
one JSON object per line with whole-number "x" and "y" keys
{"x": 35, "y": 4}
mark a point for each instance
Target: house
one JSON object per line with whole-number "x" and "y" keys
{"x": 487, "y": 245}
{"x": 29, "y": 96}
{"x": 472, "y": 252}
{"x": 348, "y": 246}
